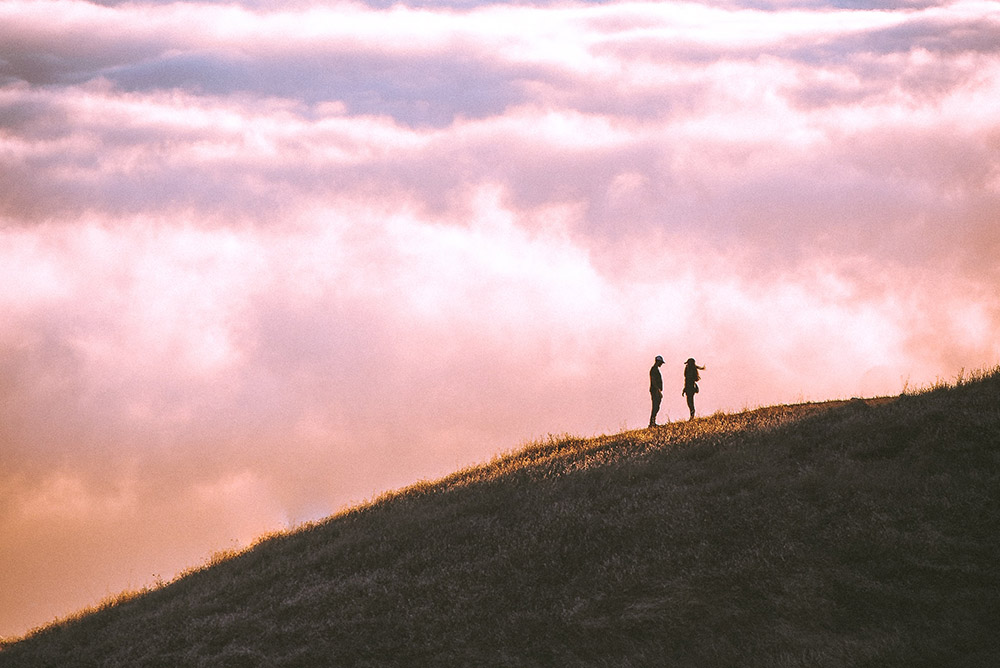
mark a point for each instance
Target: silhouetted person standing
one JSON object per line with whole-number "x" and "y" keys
{"x": 655, "y": 389}
{"x": 691, "y": 378}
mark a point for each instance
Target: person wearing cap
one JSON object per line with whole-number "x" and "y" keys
{"x": 655, "y": 388}
{"x": 691, "y": 378}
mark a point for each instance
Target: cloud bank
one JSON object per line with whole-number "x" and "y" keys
{"x": 257, "y": 265}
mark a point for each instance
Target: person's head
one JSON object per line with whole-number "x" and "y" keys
{"x": 659, "y": 360}
{"x": 690, "y": 362}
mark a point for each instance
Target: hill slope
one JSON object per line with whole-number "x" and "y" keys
{"x": 839, "y": 534}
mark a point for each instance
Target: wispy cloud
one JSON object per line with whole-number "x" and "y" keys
{"x": 257, "y": 264}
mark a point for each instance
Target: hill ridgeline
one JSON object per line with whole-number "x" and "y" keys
{"x": 851, "y": 533}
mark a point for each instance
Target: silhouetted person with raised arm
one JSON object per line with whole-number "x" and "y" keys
{"x": 655, "y": 389}
{"x": 691, "y": 378}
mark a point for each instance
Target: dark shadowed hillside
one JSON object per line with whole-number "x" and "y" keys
{"x": 859, "y": 533}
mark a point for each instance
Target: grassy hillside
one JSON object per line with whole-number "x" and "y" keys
{"x": 860, "y": 533}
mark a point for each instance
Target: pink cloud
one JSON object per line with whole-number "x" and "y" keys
{"x": 254, "y": 272}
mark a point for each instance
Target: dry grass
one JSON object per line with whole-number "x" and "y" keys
{"x": 854, "y": 533}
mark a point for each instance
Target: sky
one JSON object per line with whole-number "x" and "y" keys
{"x": 263, "y": 261}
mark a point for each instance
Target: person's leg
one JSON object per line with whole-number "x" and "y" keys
{"x": 690, "y": 396}
{"x": 655, "y": 397}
